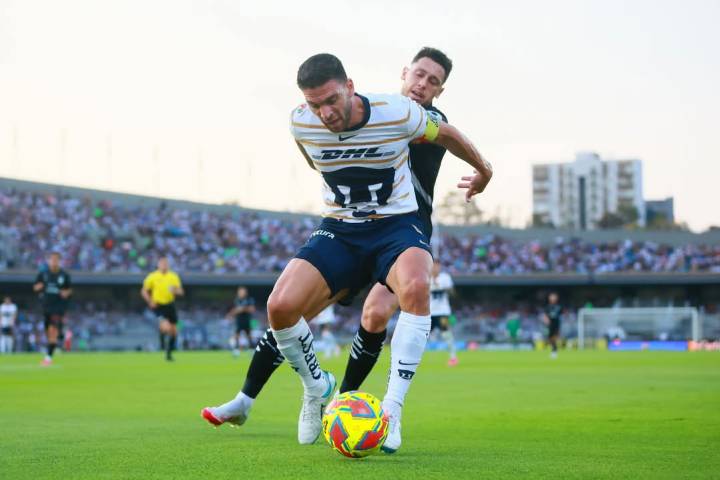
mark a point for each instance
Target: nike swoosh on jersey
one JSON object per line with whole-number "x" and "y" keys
{"x": 403, "y": 363}
{"x": 348, "y": 137}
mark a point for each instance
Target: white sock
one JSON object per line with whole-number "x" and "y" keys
{"x": 240, "y": 404}
{"x": 296, "y": 345}
{"x": 2, "y": 343}
{"x": 447, "y": 335}
{"x": 406, "y": 350}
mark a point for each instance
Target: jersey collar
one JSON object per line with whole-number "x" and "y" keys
{"x": 366, "y": 117}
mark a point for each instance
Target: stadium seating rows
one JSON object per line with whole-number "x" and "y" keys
{"x": 105, "y": 236}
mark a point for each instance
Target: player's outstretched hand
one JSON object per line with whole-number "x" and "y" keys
{"x": 474, "y": 184}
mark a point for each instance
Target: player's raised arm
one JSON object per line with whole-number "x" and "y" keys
{"x": 459, "y": 145}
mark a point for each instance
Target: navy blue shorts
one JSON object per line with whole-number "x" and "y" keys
{"x": 353, "y": 255}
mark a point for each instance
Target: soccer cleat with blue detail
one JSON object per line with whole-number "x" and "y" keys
{"x": 310, "y": 421}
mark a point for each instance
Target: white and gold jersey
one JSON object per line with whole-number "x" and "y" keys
{"x": 365, "y": 170}
{"x": 440, "y": 287}
{"x": 8, "y": 311}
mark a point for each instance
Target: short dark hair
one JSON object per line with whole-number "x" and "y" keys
{"x": 436, "y": 56}
{"x": 319, "y": 69}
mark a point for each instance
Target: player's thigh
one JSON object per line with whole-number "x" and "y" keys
{"x": 165, "y": 325}
{"x": 319, "y": 307}
{"x": 409, "y": 278}
{"x": 379, "y": 306}
{"x": 300, "y": 288}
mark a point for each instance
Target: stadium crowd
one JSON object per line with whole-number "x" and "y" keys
{"x": 105, "y": 236}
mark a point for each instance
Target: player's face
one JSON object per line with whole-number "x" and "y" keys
{"x": 553, "y": 298}
{"x": 242, "y": 292}
{"x": 423, "y": 81}
{"x": 54, "y": 262}
{"x": 332, "y": 103}
{"x": 7, "y": 300}
{"x": 163, "y": 264}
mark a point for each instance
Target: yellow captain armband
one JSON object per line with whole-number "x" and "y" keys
{"x": 432, "y": 127}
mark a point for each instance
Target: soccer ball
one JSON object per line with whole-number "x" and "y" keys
{"x": 355, "y": 425}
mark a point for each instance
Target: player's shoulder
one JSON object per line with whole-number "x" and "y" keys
{"x": 152, "y": 275}
{"x": 436, "y": 113}
{"x": 303, "y": 114}
{"x": 391, "y": 113}
{"x": 388, "y": 104}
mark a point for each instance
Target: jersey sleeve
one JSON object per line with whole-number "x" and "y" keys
{"x": 148, "y": 282}
{"x": 39, "y": 278}
{"x": 422, "y": 126}
{"x": 68, "y": 281}
{"x": 447, "y": 282}
{"x": 177, "y": 281}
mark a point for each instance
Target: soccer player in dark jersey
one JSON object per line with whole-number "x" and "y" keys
{"x": 551, "y": 318}
{"x": 55, "y": 287}
{"x": 242, "y": 310}
{"x": 423, "y": 81}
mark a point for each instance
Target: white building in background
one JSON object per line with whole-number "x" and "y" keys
{"x": 577, "y": 194}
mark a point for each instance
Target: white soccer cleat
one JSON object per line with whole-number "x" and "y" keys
{"x": 310, "y": 422}
{"x": 393, "y": 440}
{"x": 215, "y": 418}
{"x": 234, "y": 413}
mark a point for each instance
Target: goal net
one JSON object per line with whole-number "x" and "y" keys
{"x": 638, "y": 324}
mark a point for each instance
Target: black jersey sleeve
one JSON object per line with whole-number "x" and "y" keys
{"x": 68, "y": 281}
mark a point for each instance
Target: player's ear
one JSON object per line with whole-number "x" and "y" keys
{"x": 404, "y": 73}
{"x": 437, "y": 95}
{"x": 350, "y": 86}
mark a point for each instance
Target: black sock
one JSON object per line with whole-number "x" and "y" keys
{"x": 265, "y": 360}
{"x": 364, "y": 353}
{"x": 51, "y": 349}
{"x": 162, "y": 341}
{"x": 554, "y": 345}
{"x": 170, "y": 346}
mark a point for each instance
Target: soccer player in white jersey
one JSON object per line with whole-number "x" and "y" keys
{"x": 360, "y": 146}
{"x": 441, "y": 285}
{"x": 325, "y": 321}
{"x": 370, "y": 232}
{"x": 8, "y": 316}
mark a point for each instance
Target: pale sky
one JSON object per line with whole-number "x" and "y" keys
{"x": 115, "y": 94}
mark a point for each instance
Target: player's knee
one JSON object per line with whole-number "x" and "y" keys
{"x": 281, "y": 310}
{"x": 414, "y": 294}
{"x": 375, "y": 318}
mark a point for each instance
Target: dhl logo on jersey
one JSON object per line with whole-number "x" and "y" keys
{"x": 334, "y": 154}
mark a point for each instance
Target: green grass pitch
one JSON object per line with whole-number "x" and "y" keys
{"x": 496, "y": 415}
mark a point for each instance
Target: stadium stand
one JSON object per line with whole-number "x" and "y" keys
{"x": 112, "y": 233}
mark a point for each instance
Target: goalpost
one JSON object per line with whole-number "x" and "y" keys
{"x": 668, "y": 323}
